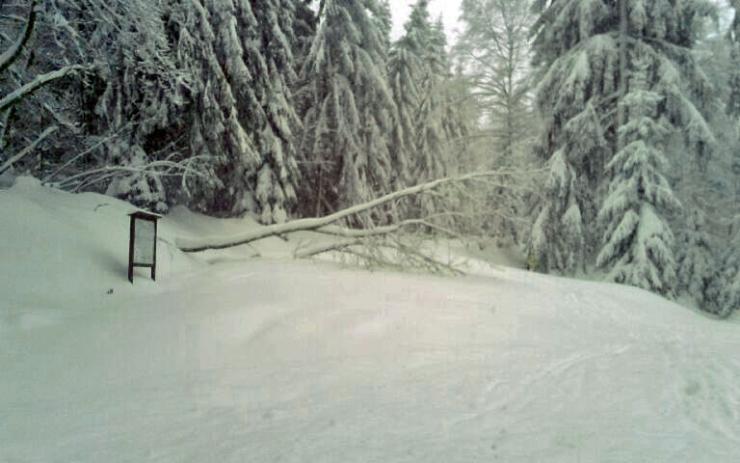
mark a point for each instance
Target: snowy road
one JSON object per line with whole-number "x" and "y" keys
{"x": 280, "y": 361}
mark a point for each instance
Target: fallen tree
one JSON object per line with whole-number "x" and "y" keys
{"x": 324, "y": 224}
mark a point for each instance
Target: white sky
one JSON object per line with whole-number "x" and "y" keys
{"x": 449, "y": 9}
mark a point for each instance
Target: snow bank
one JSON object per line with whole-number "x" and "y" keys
{"x": 231, "y": 359}
{"x": 58, "y": 248}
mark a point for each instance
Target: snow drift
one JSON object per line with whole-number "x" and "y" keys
{"x": 233, "y": 358}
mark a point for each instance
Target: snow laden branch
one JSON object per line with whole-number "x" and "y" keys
{"x": 319, "y": 223}
{"x": 41, "y": 80}
{"x": 164, "y": 168}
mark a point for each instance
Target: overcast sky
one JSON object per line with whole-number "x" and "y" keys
{"x": 449, "y": 9}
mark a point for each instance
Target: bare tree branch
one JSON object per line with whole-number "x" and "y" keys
{"x": 412, "y": 256}
{"x": 28, "y": 149}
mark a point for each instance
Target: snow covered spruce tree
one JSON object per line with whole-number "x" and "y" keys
{"x": 433, "y": 128}
{"x": 215, "y": 132}
{"x": 733, "y": 107}
{"x": 578, "y": 67}
{"x": 384, "y": 18}
{"x": 270, "y": 117}
{"x": 587, "y": 51}
{"x": 638, "y": 242}
{"x": 697, "y": 268}
{"x": 405, "y": 68}
{"x": 560, "y": 239}
{"x": 348, "y": 110}
{"x": 724, "y": 292}
{"x": 404, "y": 90}
{"x": 733, "y": 38}
{"x": 240, "y": 58}
{"x": 429, "y": 120}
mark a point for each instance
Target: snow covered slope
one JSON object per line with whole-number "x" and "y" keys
{"x": 265, "y": 359}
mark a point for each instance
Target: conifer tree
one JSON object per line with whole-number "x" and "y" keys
{"x": 724, "y": 292}
{"x": 239, "y": 55}
{"x": 697, "y": 267}
{"x": 430, "y": 125}
{"x": 432, "y": 132}
{"x": 349, "y": 109}
{"x": 733, "y": 38}
{"x": 272, "y": 121}
{"x": 559, "y": 239}
{"x": 404, "y": 68}
{"x": 638, "y": 243}
{"x": 384, "y": 19}
{"x": 586, "y": 51}
{"x": 578, "y": 76}
{"x": 216, "y": 133}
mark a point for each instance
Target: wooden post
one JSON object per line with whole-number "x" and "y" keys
{"x": 154, "y": 253}
{"x": 131, "y": 238}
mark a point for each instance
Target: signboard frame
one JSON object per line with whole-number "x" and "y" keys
{"x": 147, "y": 217}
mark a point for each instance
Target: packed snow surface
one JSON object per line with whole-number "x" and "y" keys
{"x": 230, "y": 357}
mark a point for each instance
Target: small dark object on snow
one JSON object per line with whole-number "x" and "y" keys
{"x": 110, "y": 291}
{"x": 142, "y": 243}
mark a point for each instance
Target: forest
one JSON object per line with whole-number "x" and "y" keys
{"x": 598, "y": 138}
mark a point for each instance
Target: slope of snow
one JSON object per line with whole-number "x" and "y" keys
{"x": 230, "y": 358}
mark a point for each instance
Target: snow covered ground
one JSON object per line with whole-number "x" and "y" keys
{"x": 232, "y": 358}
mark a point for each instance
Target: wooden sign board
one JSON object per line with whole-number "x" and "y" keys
{"x": 142, "y": 246}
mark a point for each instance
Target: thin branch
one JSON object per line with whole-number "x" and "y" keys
{"x": 28, "y": 149}
{"x": 413, "y": 256}
{"x": 138, "y": 169}
{"x": 85, "y": 152}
